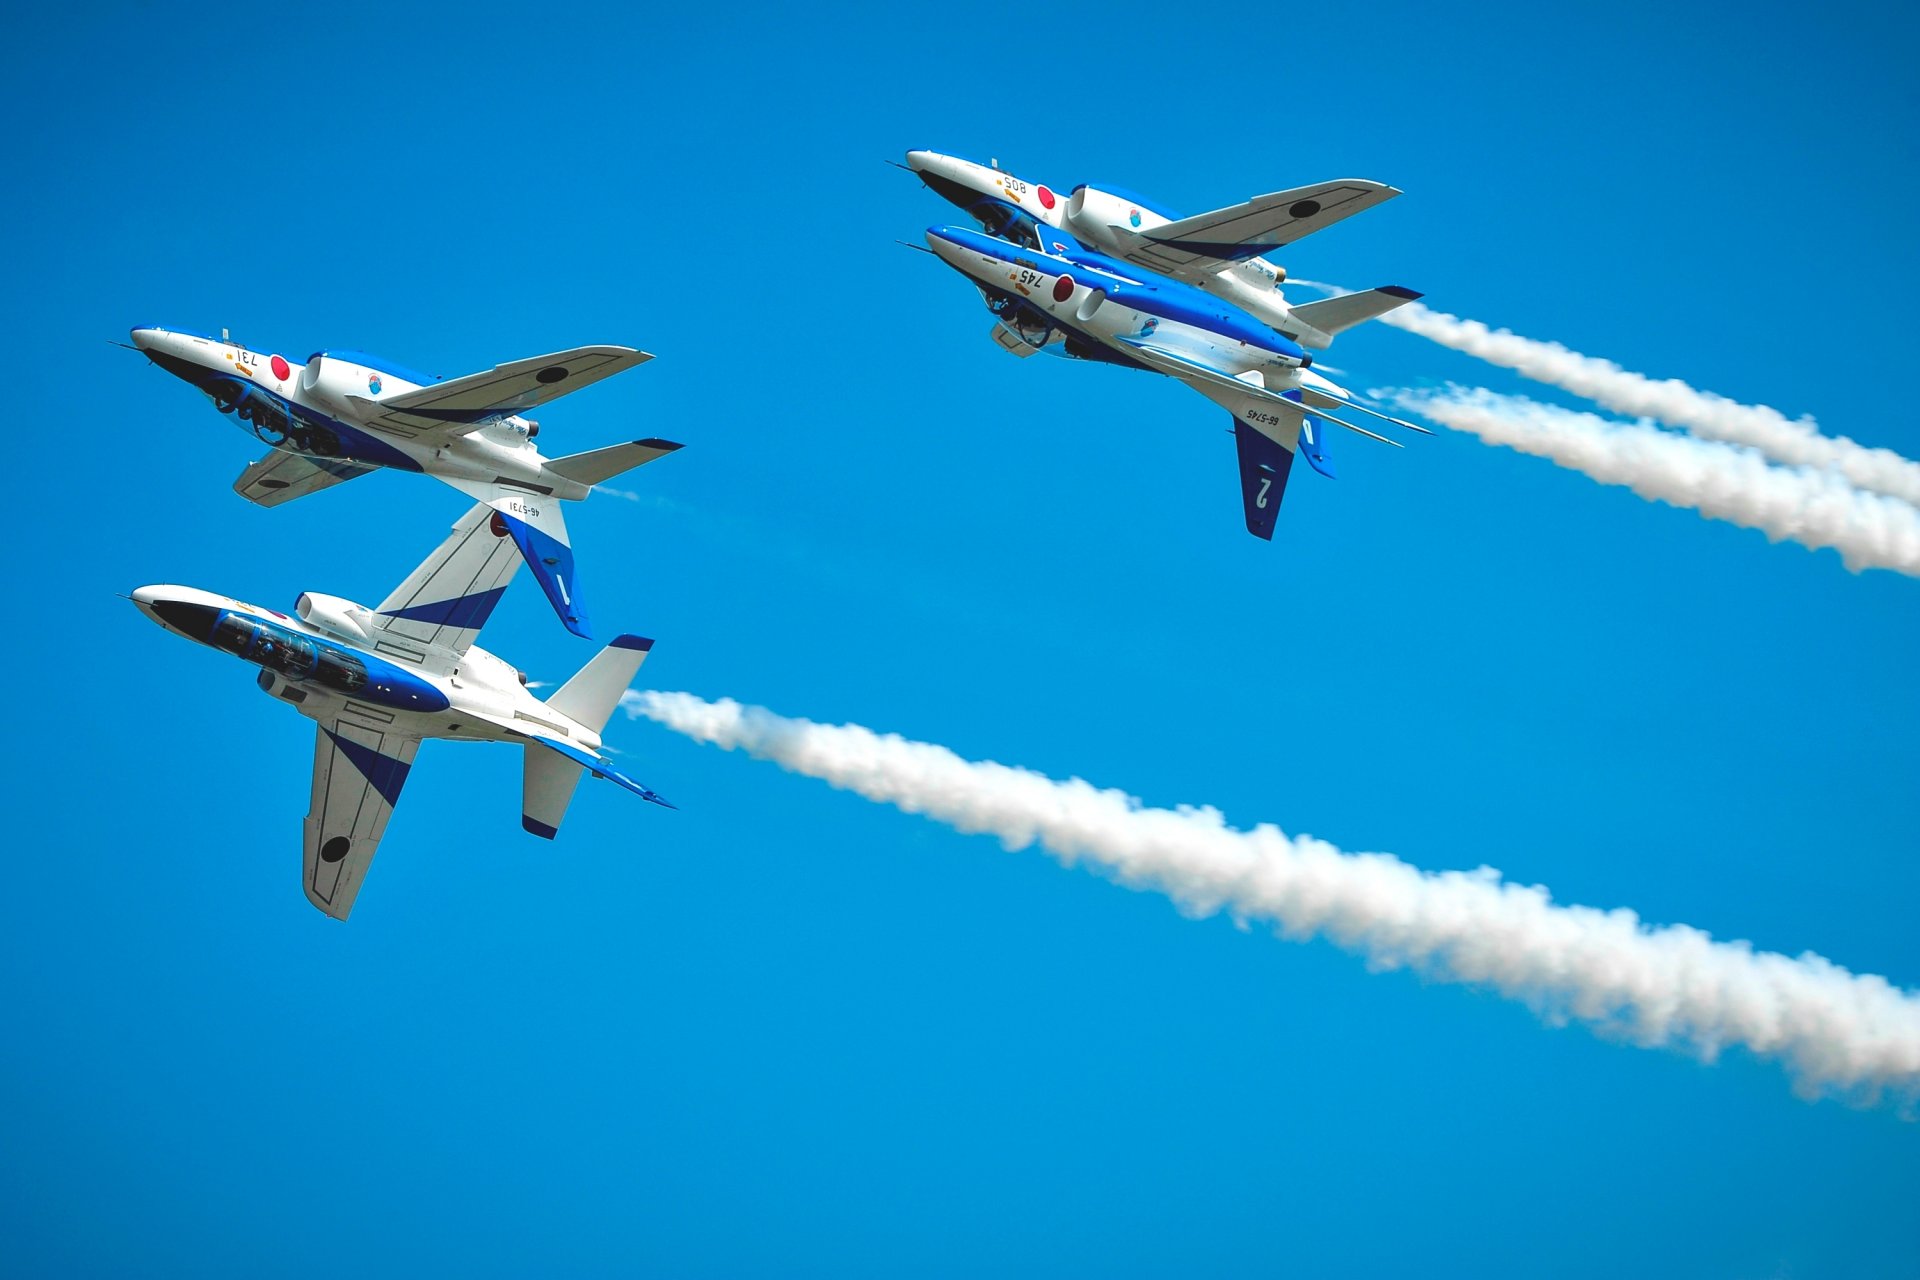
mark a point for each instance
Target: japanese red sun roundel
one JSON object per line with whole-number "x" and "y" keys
{"x": 1046, "y": 198}
{"x": 280, "y": 369}
{"x": 1063, "y": 288}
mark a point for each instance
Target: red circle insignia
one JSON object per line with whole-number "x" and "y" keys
{"x": 280, "y": 368}
{"x": 1063, "y": 288}
{"x": 1046, "y": 198}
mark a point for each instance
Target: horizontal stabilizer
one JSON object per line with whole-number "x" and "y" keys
{"x": 548, "y": 782}
{"x": 1336, "y": 315}
{"x": 595, "y": 689}
{"x": 596, "y": 465}
{"x": 601, "y": 767}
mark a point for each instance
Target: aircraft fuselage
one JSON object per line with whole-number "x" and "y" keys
{"x": 1104, "y": 219}
{"x": 1103, "y": 310}
{"x": 308, "y": 410}
{"x": 319, "y": 673}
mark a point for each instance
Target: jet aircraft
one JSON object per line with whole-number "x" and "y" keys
{"x": 380, "y": 681}
{"x": 1063, "y": 297}
{"x": 1219, "y": 252}
{"x": 345, "y": 413}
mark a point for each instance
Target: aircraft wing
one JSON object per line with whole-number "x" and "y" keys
{"x": 1195, "y": 248}
{"x": 281, "y": 477}
{"x": 455, "y": 407}
{"x": 434, "y": 616}
{"x": 359, "y": 766}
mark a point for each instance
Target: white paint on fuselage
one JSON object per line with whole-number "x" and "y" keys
{"x": 327, "y": 385}
{"x": 481, "y": 689}
{"x": 1107, "y": 223}
{"x": 1113, "y": 319}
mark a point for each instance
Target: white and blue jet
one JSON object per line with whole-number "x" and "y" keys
{"x": 378, "y": 682}
{"x": 343, "y": 414}
{"x": 1049, "y": 293}
{"x": 1222, "y": 252}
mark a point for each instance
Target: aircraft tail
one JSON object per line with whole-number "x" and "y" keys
{"x": 595, "y": 689}
{"x": 551, "y": 774}
{"x": 596, "y": 465}
{"x": 1333, "y": 316}
{"x": 547, "y": 789}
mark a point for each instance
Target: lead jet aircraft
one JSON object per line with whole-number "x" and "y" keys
{"x": 1068, "y": 299}
{"x": 380, "y": 681}
{"x": 344, "y": 414}
{"x": 1220, "y": 252}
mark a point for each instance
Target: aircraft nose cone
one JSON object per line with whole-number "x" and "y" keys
{"x": 918, "y": 160}
{"x": 144, "y": 596}
{"x": 944, "y": 246}
{"x": 144, "y": 338}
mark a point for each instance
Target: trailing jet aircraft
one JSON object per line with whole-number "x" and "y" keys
{"x": 1219, "y": 252}
{"x": 380, "y": 681}
{"x": 1068, "y": 299}
{"x": 344, "y": 413}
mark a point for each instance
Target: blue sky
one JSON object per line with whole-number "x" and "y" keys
{"x": 787, "y": 1031}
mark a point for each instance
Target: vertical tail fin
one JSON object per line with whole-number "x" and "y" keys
{"x": 595, "y": 689}
{"x": 1264, "y": 464}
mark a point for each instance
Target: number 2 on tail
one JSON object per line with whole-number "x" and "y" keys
{"x": 1260, "y": 499}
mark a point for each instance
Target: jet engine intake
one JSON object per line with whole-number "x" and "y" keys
{"x": 1090, "y": 211}
{"x": 335, "y": 616}
{"x": 336, "y": 383}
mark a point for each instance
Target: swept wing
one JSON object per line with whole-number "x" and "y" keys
{"x": 1193, "y": 249}
{"x": 453, "y": 408}
{"x": 281, "y": 477}
{"x": 359, "y": 766}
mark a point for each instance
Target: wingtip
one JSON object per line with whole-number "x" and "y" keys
{"x": 655, "y": 442}
{"x": 641, "y": 644}
{"x": 1402, "y": 292}
{"x": 538, "y": 828}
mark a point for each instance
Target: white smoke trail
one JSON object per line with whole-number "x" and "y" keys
{"x": 1837, "y": 1032}
{"x": 1712, "y": 417}
{"x": 1807, "y": 505}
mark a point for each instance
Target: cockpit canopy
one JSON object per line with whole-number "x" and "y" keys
{"x": 286, "y": 651}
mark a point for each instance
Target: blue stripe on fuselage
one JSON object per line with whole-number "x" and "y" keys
{"x": 1132, "y": 287}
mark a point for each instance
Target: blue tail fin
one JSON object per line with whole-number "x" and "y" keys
{"x": 1313, "y": 440}
{"x": 1264, "y": 464}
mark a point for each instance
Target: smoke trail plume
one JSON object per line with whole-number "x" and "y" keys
{"x": 1835, "y": 1031}
{"x": 1712, "y": 417}
{"x": 1814, "y": 507}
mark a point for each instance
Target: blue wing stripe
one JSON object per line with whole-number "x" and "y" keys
{"x": 385, "y": 773}
{"x": 469, "y": 612}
